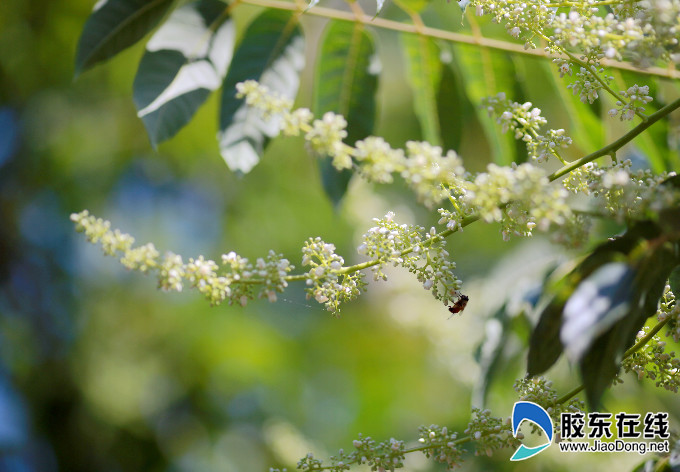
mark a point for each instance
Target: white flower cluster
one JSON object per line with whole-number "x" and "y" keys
{"x": 539, "y": 390}
{"x": 638, "y": 97}
{"x": 453, "y": 219}
{"x": 323, "y": 136}
{"x": 517, "y": 17}
{"x": 587, "y": 31}
{"x": 260, "y": 97}
{"x": 378, "y": 160}
{"x": 587, "y": 84}
{"x": 669, "y": 310}
{"x": 428, "y": 172}
{"x": 234, "y": 281}
{"x": 425, "y": 168}
{"x": 526, "y": 122}
{"x": 441, "y": 445}
{"x": 544, "y": 146}
{"x": 411, "y": 247}
{"x": 519, "y": 197}
{"x": 490, "y": 433}
{"x": 653, "y": 362}
{"x": 326, "y": 280}
{"x": 326, "y": 136}
{"x": 644, "y": 31}
{"x": 387, "y": 455}
{"x": 627, "y": 194}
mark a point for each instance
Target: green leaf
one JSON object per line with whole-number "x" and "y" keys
{"x": 601, "y": 363}
{"x": 545, "y": 345}
{"x": 674, "y": 281}
{"x": 115, "y": 25}
{"x": 584, "y": 125}
{"x": 185, "y": 60}
{"x": 601, "y": 300}
{"x": 499, "y": 347}
{"x": 410, "y": 6}
{"x": 453, "y": 109}
{"x": 486, "y": 73}
{"x": 346, "y": 83}
{"x": 423, "y": 72}
{"x": 271, "y": 52}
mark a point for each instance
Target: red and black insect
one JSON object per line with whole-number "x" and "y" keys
{"x": 460, "y": 304}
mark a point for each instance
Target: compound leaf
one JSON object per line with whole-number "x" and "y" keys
{"x": 423, "y": 72}
{"x": 185, "y": 60}
{"x": 115, "y": 25}
{"x": 596, "y": 305}
{"x": 271, "y": 52}
{"x": 346, "y": 83}
{"x": 484, "y": 74}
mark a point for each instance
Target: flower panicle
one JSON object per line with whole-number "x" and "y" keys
{"x": 232, "y": 281}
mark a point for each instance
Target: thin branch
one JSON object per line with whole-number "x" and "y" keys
{"x": 451, "y": 36}
{"x": 619, "y": 143}
{"x": 632, "y": 350}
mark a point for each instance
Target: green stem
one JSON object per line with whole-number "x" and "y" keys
{"x": 632, "y": 350}
{"x": 610, "y": 149}
{"x": 619, "y": 143}
{"x": 644, "y": 340}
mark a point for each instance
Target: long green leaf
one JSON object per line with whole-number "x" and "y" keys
{"x": 498, "y": 348}
{"x": 601, "y": 363}
{"x": 456, "y": 113}
{"x": 545, "y": 344}
{"x": 115, "y": 25}
{"x": 423, "y": 71}
{"x": 410, "y": 6}
{"x": 345, "y": 84}
{"x": 487, "y": 73}
{"x": 185, "y": 60}
{"x": 271, "y": 52}
{"x": 584, "y": 125}
{"x": 596, "y": 305}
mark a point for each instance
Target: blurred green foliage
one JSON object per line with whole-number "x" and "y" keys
{"x": 98, "y": 371}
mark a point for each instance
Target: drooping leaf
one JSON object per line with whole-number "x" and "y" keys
{"x": 596, "y": 305}
{"x": 185, "y": 60}
{"x": 346, "y": 83}
{"x": 674, "y": 281}
{"x": 499, "y": 347}
{"x": 486, "y": 73}
{"x": 584, "y": 126}
{"x": 545, "y": 345}
{"x": 454, "y": 110}
{"x": 601, "y": 362}
{"x": 271, "y": 52}
{"x": 115, "y": 25}
{"x": 423, "y": 72}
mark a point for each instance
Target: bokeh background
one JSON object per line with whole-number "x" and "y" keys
{"x": 101, "y": 372}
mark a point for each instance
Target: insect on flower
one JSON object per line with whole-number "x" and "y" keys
{"x": 460, "y": 304}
